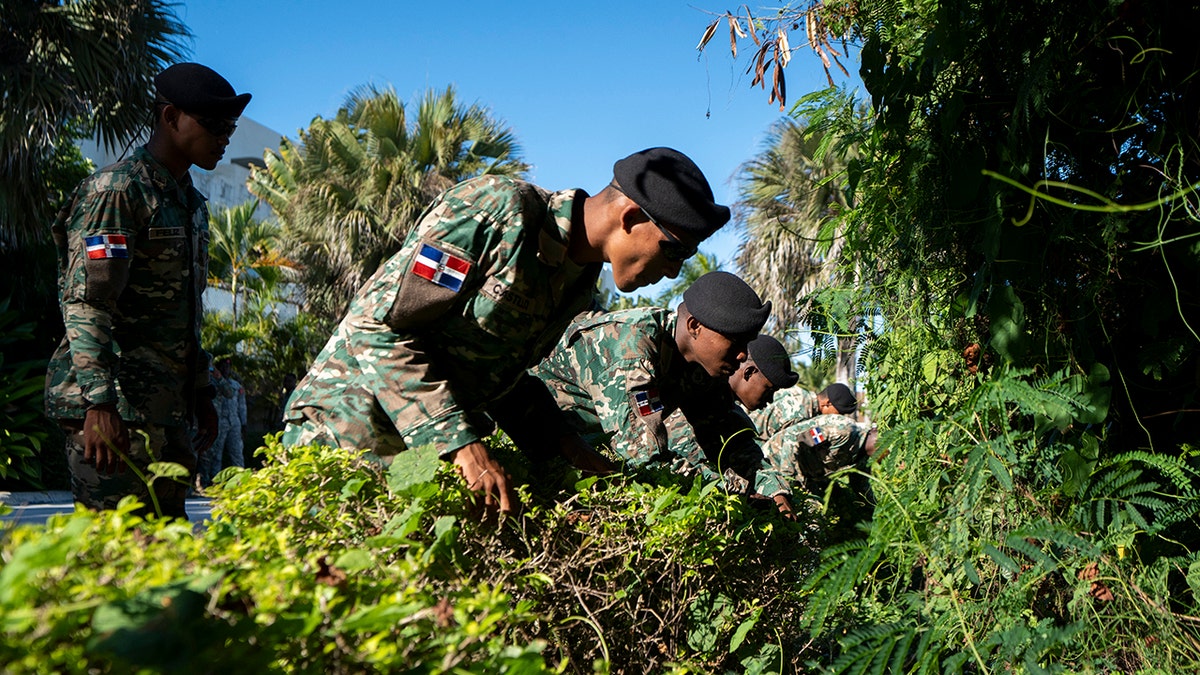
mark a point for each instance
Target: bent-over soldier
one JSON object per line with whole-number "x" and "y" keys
{"x": 617, "y": 376}
{"x": 440, "y": 338}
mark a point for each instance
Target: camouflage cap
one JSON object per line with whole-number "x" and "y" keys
{"x": 672, "y": 189}
{"x": 200, "y": 90}
{"x": 841, "y": 397}
{"x": 772, "y": 360}
{"x": 726, "y": 304}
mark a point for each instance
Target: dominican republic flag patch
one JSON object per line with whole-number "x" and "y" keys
{"x": 818, "y": 436}
{"x": 441, "y": 268}
{"x": 647, "y": 402}
{"x": 103, "y": 246}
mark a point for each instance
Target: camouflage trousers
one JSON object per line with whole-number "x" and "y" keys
{"x": 310, "y": 430}
{"x": 226, "y": 451}
{"x": 100, "y": 491}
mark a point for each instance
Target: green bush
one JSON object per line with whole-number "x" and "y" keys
{"x": 324, "y": 562}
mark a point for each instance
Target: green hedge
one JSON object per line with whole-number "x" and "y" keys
{"x": 322, "y": 562}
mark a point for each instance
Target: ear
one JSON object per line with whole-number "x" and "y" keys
{"x": 630, "y": 214}
{"x": 749, "y": 371}
{"x": 693, "y": 326}
{"x": 170, "y": 116}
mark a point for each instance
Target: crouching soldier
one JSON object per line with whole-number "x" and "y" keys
{"x": 618, "y": 376}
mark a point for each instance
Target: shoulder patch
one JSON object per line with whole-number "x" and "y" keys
{"x": 103, "y": 246}
{"x": 442, "y": 268}
{"x": 647, "y": 402}
{"x": 817, "y": 434}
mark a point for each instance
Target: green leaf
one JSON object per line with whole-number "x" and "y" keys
{"x": 412, "y": 468}
{"x": 354, "y": 560}
{"x": 740, "y": 634}
{"x": 168, "y": 470}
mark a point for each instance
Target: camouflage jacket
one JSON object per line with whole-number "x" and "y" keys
{"x": 231, "y": 402}
{"x": 132, "y": 264}
{"x": 804, "y": 444}
{"x": 787, "y": 407}
{"x": 618, "y": 376}
{"x": 480, "y": 291}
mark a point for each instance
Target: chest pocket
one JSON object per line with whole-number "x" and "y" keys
{"x": 508, "y": 311}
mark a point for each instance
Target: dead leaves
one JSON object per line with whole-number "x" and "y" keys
{"x": 1099, "y": 590}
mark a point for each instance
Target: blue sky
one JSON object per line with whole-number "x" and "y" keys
{"x": 581, "y": 83}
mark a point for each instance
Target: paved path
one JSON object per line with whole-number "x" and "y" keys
{"x": 33, "y": 508}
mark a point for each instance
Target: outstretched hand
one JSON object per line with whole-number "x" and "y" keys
{"x": 484, "y": 475}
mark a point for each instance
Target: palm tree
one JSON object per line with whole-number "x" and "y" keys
{"x": 243, "y": 253}
{"x": 790, "y": 197}
{"x": 71, "y": 69}
{"x": 347, "y": 193}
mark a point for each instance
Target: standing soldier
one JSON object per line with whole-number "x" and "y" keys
{"x": 440, "y": 338}
{"x": 130, "y": 375}
{"x": 618, "y": 376}
{"x": 233, "y": 418}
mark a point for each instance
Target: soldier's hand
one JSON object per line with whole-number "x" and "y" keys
{"x": 206, "y": 425}
{"x": 784, "y": 506}
{"x": 104, "y": 434}
{"x": 584, "y": 457}
{"x": 485, "y": 475}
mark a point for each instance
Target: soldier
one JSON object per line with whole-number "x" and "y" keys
{"x": 133, "y": 253}
{"x": 441, "y": 336}
{"x": 617, "y": 376}
{"x": 766, "y": 370}
{"x": 809, "y": 436}
{"x": 209, "y": 463}
{"x": 230, "y": 402}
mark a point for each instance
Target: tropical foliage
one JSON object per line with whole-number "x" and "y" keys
{"x": 244, "y": 257}
{"x": 348, "y": 191}
{"x": 72, "y": 69}
{"x": 1024, "y": 187}
{"x": 792, "y": 199}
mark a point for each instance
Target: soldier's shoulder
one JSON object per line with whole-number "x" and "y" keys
{"x": 623, "y": 322}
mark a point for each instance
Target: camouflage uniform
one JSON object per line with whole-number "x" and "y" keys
{"x": 445, "y": 329}
{"x": 617, "y": 376}
{"x": 232, "y": 414}
{"x": 804, "y": 445}
{"x": 133, "y": 253}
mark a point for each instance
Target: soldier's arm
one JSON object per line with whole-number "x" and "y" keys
{"x": 106, "y": 222}
{"x": 728, "y": 438}
{"x": 389, "y": 340}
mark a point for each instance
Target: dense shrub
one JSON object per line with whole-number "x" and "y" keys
{"x": 324, "y": 562}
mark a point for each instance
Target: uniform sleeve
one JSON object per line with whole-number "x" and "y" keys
{"x": 241, "y": 401}
{"x": 617, "y": 373}
{"x": 442, "y": 264}
{"x": 98, "y": 236}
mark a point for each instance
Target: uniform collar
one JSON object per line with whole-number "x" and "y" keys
{"x": 566, "y": 211}
{"x": 165, "y": 181}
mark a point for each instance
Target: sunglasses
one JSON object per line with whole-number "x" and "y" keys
{"x": 672, "y": 248}
{"x": 216, "y": 126}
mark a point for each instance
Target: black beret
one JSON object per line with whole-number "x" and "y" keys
{"x": 841, "y": 397}
{"x": 771, "y": 358}
{"x": 726, "y": 304}
{"x": 200, "y": 90}
{"x": 671, "y": 188}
